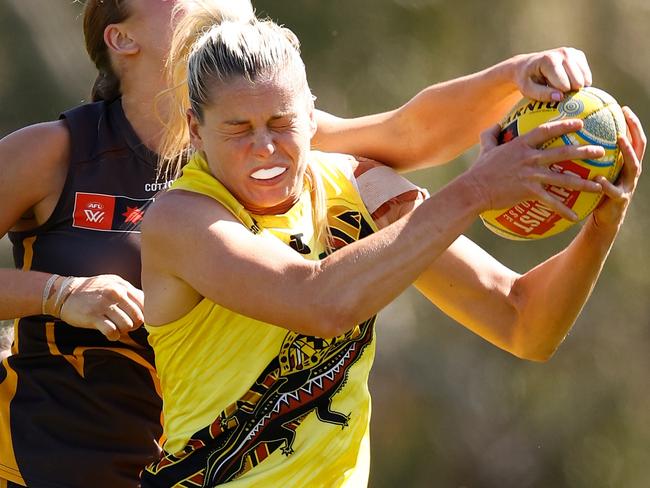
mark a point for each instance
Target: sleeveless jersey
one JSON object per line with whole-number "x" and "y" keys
{"x": 248, "y": 403}
{"x": 77, "y": 410}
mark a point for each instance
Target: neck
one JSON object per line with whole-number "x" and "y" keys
{"x": 280, "y": 208}
{"x": 142, "y": 110}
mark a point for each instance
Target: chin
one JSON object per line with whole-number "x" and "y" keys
{"x": 263, "y": 206}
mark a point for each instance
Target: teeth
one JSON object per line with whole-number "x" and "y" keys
{"x": 267, "y": 174}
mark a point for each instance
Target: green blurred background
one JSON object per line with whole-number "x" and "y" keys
{"x": 449, "y": 410}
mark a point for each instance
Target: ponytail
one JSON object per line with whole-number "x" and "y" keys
{"x": 212, "y": 43}
{"x": 196, "y": 16}
{"x": 322, "y": 232}
{"x": 98, "y": 14}
{"x": 106, "y": 87}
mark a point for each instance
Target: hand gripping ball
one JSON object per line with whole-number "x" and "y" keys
{"x": 603, "y": 124}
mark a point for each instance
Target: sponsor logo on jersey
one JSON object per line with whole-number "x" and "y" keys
{"x": 133, "y": 215}
{"x": 158, "y": 186}
{"x": 112, "y": 213}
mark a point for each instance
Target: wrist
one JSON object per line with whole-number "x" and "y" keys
{"x": 471, "y": 193}
{"x": 506, "y": 74}
{"x": 49, "y": 293}
{"x": 64, "y": 292}
{"x": 57, "y": 290}
{"x": 599, "y": 232}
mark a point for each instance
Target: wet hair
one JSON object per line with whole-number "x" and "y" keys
{"x": 98, "y": 14}
{"x": 256, "y": 50}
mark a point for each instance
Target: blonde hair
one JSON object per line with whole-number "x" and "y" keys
{"x": 194, "y": 17}
{"x": 248, "y": 48}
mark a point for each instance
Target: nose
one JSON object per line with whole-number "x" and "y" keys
{"x": 263, "y": 145}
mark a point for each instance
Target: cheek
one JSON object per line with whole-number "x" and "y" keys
{"x": 297, "y": 142}
{"x": 224, "y": 162}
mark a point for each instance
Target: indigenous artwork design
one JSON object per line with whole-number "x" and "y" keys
{"x": 303, "y": 378}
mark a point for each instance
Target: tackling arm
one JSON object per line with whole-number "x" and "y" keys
{"x": 327, "y": 297}
{"x": 529, "y": 315}
{"x": 445, "y": 119}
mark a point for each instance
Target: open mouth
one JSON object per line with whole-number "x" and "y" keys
{"x": 268, "y": 173}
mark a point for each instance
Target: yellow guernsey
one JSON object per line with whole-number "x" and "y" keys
{"x": 248, "y": 403}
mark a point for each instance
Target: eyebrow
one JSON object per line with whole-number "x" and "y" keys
{"x": 243, "y": 122}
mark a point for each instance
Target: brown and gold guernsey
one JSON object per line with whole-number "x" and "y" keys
{"x": 77, "y": 410}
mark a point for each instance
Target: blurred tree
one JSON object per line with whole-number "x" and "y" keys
{"x": 42, "y": 59}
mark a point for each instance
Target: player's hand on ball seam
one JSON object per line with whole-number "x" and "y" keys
{"x": 548, "y": 74}
{"x": 518, "y": 170}
{"x": 612, "y": 209}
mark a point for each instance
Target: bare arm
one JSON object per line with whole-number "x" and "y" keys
{"x": 34, "y": 164}
{"x": 445, "y": 119}
{"x": 193, "y": 248}
{"x": 529, "y": 315}
{"x": 192, "y": 244}
{"x": 31, "y": 161}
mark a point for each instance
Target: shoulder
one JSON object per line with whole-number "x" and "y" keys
{"x": 334, "y": 164}
{"x": 352, "y": 167}
{"x": 177, "y": 227}
{"x": 33, "y": 160}
{"x": 180, "y": 214}
{"x": 41, "y": 145}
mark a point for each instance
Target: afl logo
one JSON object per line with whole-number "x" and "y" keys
{"x": 95, "y": 206}
{"x": 93, "y": 211}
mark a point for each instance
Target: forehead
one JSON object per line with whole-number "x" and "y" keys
{"x": 282, "y": 92}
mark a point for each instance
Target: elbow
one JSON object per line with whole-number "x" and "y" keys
{"x": 524, "y": 343}
{"x": 334, "y": 321}
{"x": 335, "y": 314}
{"x": 539, "y": 352}
{"x": 524, "y": 339}
{"x": 331, "y": 311}
{"x": 536, "y": 356}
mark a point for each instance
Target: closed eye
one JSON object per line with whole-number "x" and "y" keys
{"x": 282, "y": 123}
{"x": 233, "y": 130}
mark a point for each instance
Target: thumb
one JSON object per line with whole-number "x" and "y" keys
{"x": 489, "y": 137}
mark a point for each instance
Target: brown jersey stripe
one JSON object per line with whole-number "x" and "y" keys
{"x": 77, "y": 362}
{"x": 28, "y": 255}
{"x": 7, "y": 391}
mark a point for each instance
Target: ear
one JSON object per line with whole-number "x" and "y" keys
{"x": 193, "y": 125}
{"x": 313, "y": 124}
{"x": 119, "y": 41}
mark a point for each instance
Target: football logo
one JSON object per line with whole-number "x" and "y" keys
{"x": 95, "y": 211}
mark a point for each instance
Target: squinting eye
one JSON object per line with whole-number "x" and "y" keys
{"x": 237, "y": 132}
{"x": 284, "y": 124}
